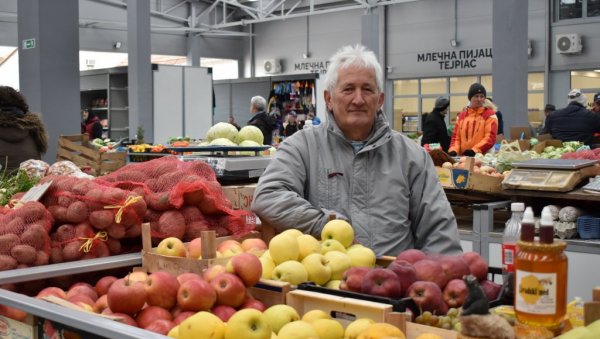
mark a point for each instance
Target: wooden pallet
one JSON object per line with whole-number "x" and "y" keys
{"x": 77, "y": 149}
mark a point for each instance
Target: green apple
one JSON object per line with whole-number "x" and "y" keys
{"x": 171, "y": 246}
{"x": 578, "y": 333}
{"x": 267, "y": 265}
{"x": 279, "y": 315}
{"x": 283, "y": 247}
{"x": 297, "y": 330}
{"x": 317, "y": 269}
{"x": 313, "y": 315}
{"x": 339, "y": 230}
{"x": 290, "y": 271}
{"x": 202, "y": 325}
{"x": 357, "y": 326}
{"x": 361, "y": 256}
{"x": 328, "y": 328}
{"x": 332, "y": 245}
{"x": 595, "y": 327}
{"x": 248, "y": 323}
{"x": 174, "y": 332}
{"x": 333, "y": 284}
{"x": 308, "y": 245}
{"x": 339, "y": 263}
{"x": 293, "y": 232}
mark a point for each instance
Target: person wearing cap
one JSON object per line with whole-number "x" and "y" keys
{"x": 291, "y": 126}
{"x": 476, "y": 126}
{"x": 434, "y": 126}
{"x": 574, "y": 122}
{"x": 596, "y": 103}
{"x": 549, "y": 108}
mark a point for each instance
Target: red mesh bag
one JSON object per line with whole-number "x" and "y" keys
{"x": 182, "y": 198}
{"x": 77, "y": 242}
{"x": 24, "y": 239}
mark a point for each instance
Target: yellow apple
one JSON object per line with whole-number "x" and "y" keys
{"x": 283, "y": 247}
{"x": 293, "y": 232}
{"x": 333, "y": 284}
{"x": 328, "y": 328}
{"x": 332, "y": 245}
{"x": 279, "y": 315}
{"x": 297, "y": 330}
{"x": 267, "y": 265}
{"x": 171, "y": 246}
{"x": 429, "y": 336}
{"x": 248, "y": 323}
{"x": 313, "y": 315}
{"x": 339, "y": 263}
{"x": 308, "y": 245}
{"x": 317, "y": 269}
{"x": 202, "y": 325}
{"x": 381, "y": 330}
{"x": 357, "y": 327}
{"x": 361, "y": 256}
{"x": 174, "y": 332}
{"x": 290, "y": 271}
{"x": 339, "y": 230}
{"x": 273, "y": 335}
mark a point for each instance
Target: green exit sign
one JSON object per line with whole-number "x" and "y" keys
{"x": 29, "y": 43}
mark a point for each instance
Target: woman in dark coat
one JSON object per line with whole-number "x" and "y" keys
{"x": 91, "y": 124}
{"x": 22, "y": 133}
{"x": 434, "y": 126}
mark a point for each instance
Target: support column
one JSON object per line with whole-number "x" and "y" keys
{"x": 140, "y": 69}
{"x": 193, "y": 50}
{"x": 49, "y": 65}
{"x": 371, "y": 32}
{"x": 509, "y": 62}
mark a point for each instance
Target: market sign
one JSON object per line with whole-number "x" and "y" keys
{"x": 456, "y": 60}
{"x": 29, "y": 43}
{"x": 311, "y": 66}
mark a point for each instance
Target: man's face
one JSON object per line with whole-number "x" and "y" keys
{"x": 477, "y": 100}
{"x": 84, "y": 115}
{"x": 354, "y": 101}
{"x": 596, "y": 106}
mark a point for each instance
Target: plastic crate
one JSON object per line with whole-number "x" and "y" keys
{"x": 588, "y": 227}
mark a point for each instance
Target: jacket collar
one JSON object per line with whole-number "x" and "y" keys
{"x": 380, "y": 133}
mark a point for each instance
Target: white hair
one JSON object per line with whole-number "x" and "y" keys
{"x": 259, "y": 103}
{"x": 356, "y": 55}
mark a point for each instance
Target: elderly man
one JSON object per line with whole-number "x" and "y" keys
{"x": 355, "y": 166}
{"x": 574, "y": 122}
{"x": 261, "y": 119}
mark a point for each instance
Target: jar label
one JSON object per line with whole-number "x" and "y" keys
{"x": 536, "y": 292}
{"x": 508, "y": 257}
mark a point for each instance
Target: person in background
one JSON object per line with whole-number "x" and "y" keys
{"x": 104, "y": 124}
{"x": 574, "y": 122}
{"x": 91, "y": 124}
{"x": 22, "y": 133}
{"x": 549, "y": 108}
{"x": 231, "y": 120}
{"x": 434, "y": 126}
{"x": 596, "y": 103}
{"x": 265, "y": 122}
{"x": 291, "y": 126}
{"x": 476, "y": 126}
{"x": 491, "y": 105}
{"x": 356, "y": 167}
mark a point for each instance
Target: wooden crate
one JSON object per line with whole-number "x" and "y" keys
{"x": 79, "y": 150}
{"x": 270, "y": 292}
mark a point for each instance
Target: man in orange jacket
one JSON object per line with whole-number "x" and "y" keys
{"x": 476, "y": 126}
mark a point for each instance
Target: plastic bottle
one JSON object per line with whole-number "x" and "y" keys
{"x": 541, "y": 276}
{"x": 512, "y": 233}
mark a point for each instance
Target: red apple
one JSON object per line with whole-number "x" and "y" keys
{"x": 148, "y": 314}
{"x": 161, "y": 289}
{"x": 55, "y": 291}
{"x": 455, "y": 293}
{"x": 126, "y": 319}
{"x": 230, "y": 246}
{"x": 382, "y": 282}
{"x": 412, "y": 255}
{"x": 429, "y": 270}
{"x": 405, "y": 271}
{"x": 428, "y": 296}
{"x": 126, "y": 296}
{"x": 160, "y": 326}
{"x": 182, "y": 316}
{"x": 434, "y": 256}
{"x": 183, "y": 277}
{"x": 13, "y": 313}
{"x": 137, "y": 276}
{"x": 246, "y": 266}
{"x": 477, "y": 266}
{"x": 196, "y": 295}
{"x": 194, "y": 248}
{"x": 82, "y": 299}
{"x": 454, "y": 267}
{"x": 254, "y": 245}
{"x": 85, "y": 289}
{"x": 213, "y": 271}
{"x": 224, "y": 312}
{"x": 101, "y": 304}
{"x": 104, "y": 283}
{"x": 491, "y": 289}
{"x": 254, "y": 303}
{"x": 230, "y": 289}
{"x": 353, "y": 277}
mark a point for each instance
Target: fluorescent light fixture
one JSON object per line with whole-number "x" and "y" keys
{"x": 597, "y": 70}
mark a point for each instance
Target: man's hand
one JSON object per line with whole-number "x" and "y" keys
{"x": 469, "y": 153}
{"x": 452, "y": 153}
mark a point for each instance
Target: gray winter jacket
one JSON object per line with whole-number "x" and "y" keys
{"x": 388, "y": 191}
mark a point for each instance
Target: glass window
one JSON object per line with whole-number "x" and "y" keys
{"x": 461, "y": 84}
{"x": 535, "y": 109}
{"x": 486, "y": 81}
{"x": 221, "y": 68}
{"x": 406, "y": 114}
{"x": 426, "y": 107}
{"x": 535, "y": 81}
{"x": 593, "y": 8}
{"x": 457, "y": 104}
{"x": 570, "y": 9}
{"x": 406, "y": 87}
{"x": 585, "y": 79}
{"x": 433, "y": 86}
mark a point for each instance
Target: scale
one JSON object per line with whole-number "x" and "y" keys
{"x": 560, "y": 175}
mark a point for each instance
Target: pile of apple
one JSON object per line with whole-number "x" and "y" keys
{"x": 176, "y": 248}
{"x": 282, "y": 322}
{"x": 159, "y": 301}
{"x": 433, "y": 281}
{"x": 295, "y": 257}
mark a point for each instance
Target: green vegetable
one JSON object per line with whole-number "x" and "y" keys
{"x": 250, "y": 133}
{"x": 222, "y": 130}
{"x": 12, "y": 184}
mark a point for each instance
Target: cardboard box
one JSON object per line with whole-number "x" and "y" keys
{"x": 459, "y": 178}
{"x": 240, "y": 196}
{"x": 539, "y": 148}
{"x": 520, "y": 132}
{"x": 13, "y": 329}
